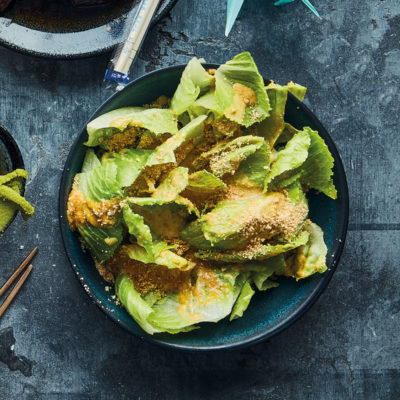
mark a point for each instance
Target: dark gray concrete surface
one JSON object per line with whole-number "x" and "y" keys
{"x": 347, "y": 346}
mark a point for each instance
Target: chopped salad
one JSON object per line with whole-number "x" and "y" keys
{"x": 191, "y": 204}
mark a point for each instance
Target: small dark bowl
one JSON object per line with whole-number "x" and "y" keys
{"x": 85, "y": 33}
{"x": 10, "y": 159}
{"x": 269, "y": 312}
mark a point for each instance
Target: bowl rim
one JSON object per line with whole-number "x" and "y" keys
{"x": 295, "y": 315}
{"x": 16, "y": 160}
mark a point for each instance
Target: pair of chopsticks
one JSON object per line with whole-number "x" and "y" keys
{"x": 20, "y": 282}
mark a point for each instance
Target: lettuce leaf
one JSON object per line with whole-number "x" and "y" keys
{"x": 156, "y": 120}
{"x": 220, "y": 228}
{"x": 261, "y": 252}
{"x": 297, "y": 90}
{"x": 309, "y": 258}
{"x": 240, "y": 92}
{"x": 253, "y": 171}
{"x": 90, "y": 161}
{"x": 288, "y": 132}
{"x": 102, "y": 242}
{"x": 137, "y": 307}
{"x": 142, "y": 233}
{"x": 230, "y": 225}
{"x": 203, "y": 181}
{"x": 166, "y": 218}
{"x": 100, "y": 183}
{"x": 149, "y": 250}
{"x": 130, "y": 164}
{"x": 194, "y": 235}
{"x": 272, "y": 126}
{"x": 165, "y": 257}
{"x": 165, "y": 152}
{"x": 210, "y": 299}
{"x": 243, "y": 301}
{"x": 269, "y": 266}
{"x": 195, "y": 80}
{"x": 223, "y": 159}
{"x": 296, "y": 194}
{"x": 262, "y": 283}
{"x": 206, "y": 105}
{"x": 317, "y": 170}
{"x": 289, "y": 159}
{"x": 261, "y": 271}
{"x": 173, "y": 184}
{"x": 178, "y": 203}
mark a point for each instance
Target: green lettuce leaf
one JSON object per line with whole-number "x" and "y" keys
{"x": 142, "y": 233}
{"x": 262, "y": 283}
{"x": 100, "y": 183}
{"x": 165, "y": 218}
{"x": 221, "y": 228}
{"x": 261, "y": 271}
{"x": 269, "y": 266}
{"x": 137, "y": 307}
{"x": 156, "y": 120}
{"x": 317, "y": 170}
{"x": 231, "y": 80}
{"x": 309, "y": 258}
{"x": 203, "y": 181}
{"x": 102, "y": 242}
{"x": 165, "y": 152}
{"x": 288, "y": 132}
{"x": 289, "y": 159}
{"x": 253, "y": 171}
{"x": 179, "y": 204}
{"x": 194, "y": 235}
{"x": 195, "y": 80}
{"x": 90, "y": 161}
{"x": 210, "y": 299}
{"x": 296, "y": 194}
{"x": 242, "y": 301}
{"x": 185, "y": 118}
{"x": 165, "y": 256}
{"x": 272, "y": 126}
{"x": 130, "y": 164}
{"x": 297, "y": 90}
{"x": 228, "y": 225}
{"x": 226, "y": 158}
{"x": 206, "y": 105}
{"x": 261, "y": 252}
{"x": 173, "y": 184}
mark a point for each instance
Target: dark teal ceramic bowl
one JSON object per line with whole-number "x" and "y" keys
{"x": 269, "y": 312}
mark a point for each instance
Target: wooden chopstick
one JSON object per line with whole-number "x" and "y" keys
{"x": 15, "y": 275}
{"x": 15, "y": 290}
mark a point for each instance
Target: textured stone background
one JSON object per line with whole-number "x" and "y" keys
{"x": 347, "y": 345}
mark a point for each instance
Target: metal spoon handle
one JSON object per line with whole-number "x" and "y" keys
{"x": 124, "y": 54}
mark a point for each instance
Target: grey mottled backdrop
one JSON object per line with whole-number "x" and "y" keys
{"x": 347, "y": 345}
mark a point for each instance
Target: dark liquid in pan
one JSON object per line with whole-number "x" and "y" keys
{"x": 61, "y": 16}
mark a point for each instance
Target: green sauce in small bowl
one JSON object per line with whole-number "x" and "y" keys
{"x": 10, "y": 159}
